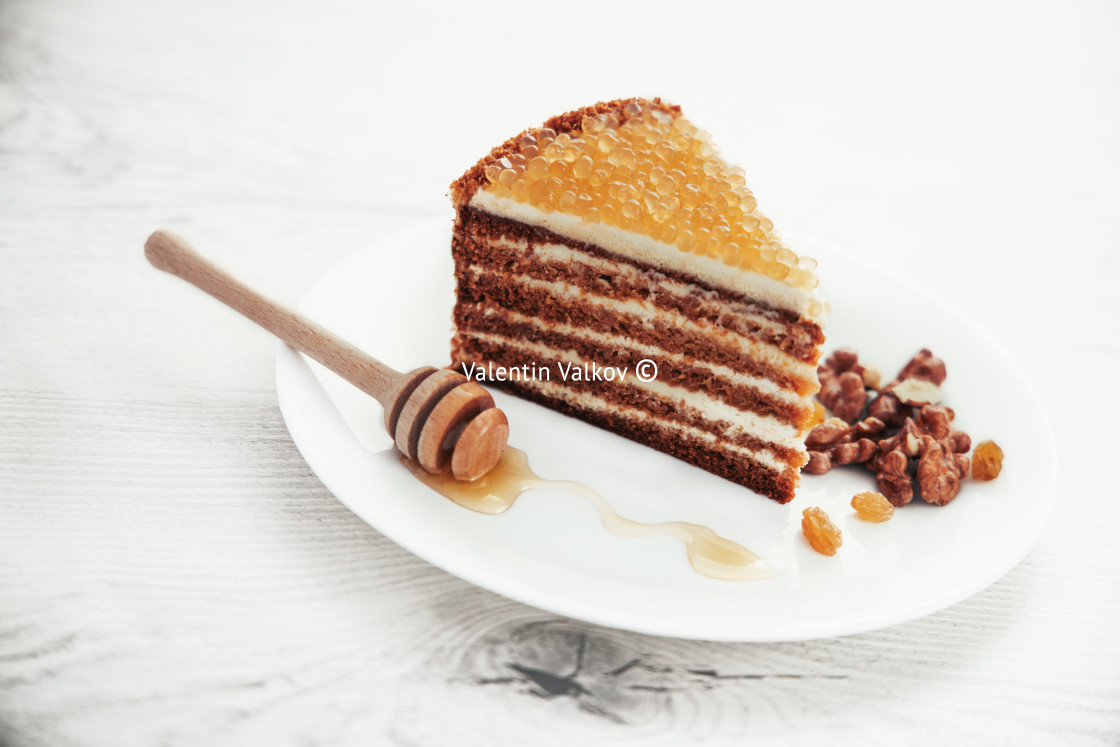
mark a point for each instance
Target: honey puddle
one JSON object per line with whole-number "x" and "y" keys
{"x": 709, "y": 554}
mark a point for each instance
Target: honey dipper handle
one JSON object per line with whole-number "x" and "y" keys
{"x": 171, "y": 253}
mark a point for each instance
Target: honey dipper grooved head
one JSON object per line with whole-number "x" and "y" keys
{"x": 446, "y": 422}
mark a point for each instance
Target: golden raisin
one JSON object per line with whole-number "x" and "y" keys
{"x": 822, "y": 534}
{"x": 873, "y": 507}
{"x": 987, "y": 461}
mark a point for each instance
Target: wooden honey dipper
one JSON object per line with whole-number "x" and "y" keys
{"x": 438, "y": 417}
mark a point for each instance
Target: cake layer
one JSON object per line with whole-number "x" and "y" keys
{"x": 780, "y": 443}
{"x": 557, "y": 304}
{"x": 699, "y": 448}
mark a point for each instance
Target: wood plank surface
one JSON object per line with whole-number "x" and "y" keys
{"x": 171, "y": 573}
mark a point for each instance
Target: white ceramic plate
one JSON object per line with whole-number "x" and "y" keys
{"x": 550, "y": 549}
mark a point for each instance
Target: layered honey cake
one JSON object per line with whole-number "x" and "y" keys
{"x": 609, "y": 264}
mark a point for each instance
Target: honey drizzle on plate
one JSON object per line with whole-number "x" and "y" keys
{"x": 709, "y": 554}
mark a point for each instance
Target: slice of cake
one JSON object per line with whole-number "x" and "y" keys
{"x": 614, "y": 235}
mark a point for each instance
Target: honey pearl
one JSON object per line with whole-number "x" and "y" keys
{"x": 686, "y": 239}
{"x": 622, "y": 172}
{"x": 582, "y": 167}
{"x": 540, "y": 197}
{"x": 665, "y": 151}
{"x": 491, "y": 172}
{"x": 546, "y": 133}
{"x": 631, "y": 208}
{"x": 520, "y": 190}
{"x": 799, "y": 278}
{"x": 765, "y": 223}
{"x": 660, "y": 213}
{"x": 567, "y": 200}
{"x": 527, "y": 141}
{"x": 554, "y": 152}
{"x": 692, "y": 196}
{"x": 506, "y": 177}
{"x": 608, "y": 140}
{"x": 537, "y": 168}
{"x": 807, "y": 263}
{"x": 591, "y": 215}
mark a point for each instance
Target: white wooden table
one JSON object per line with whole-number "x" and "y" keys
{"x": 171, "y": 572}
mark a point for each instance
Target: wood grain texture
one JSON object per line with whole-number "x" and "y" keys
{"x": 172, "y": 573}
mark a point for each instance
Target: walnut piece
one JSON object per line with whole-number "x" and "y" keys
{"x": 938, "y": 478}
{"x": 924, "y": 366}
{"x": 894, "y": 479}
{"x": 889, "y": 409}
{"x": 842, "y": 386}
{"x": 834, "y": 442}
{"x": 916, "y": 392}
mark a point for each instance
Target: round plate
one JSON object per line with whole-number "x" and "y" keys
{"x": 551, "y": 551}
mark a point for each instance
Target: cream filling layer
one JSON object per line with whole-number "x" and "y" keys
{"x": 648, "y": 314}
{"x": 587, "y": 401}
{"x": 653, "y": 252}
{"x": 743, "y": 422}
